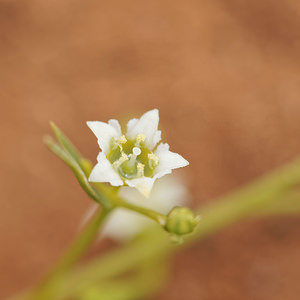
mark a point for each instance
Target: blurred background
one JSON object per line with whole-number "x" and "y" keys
{"x": 225, "y": 77}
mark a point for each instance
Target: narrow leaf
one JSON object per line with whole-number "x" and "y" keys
{"x": 78, "y": 172}
{"x": 71, "y": 149}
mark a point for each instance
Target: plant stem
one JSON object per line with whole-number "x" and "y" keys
{"x": 49, "y": 286}
{"x": 226, "y": 211}
{"x": 289, "y": 205}
{"x": 147, "y": 280}
{"x": 154, "y": 215}
{"x": 230, "y": 209}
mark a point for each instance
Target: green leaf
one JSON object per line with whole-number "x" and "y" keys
{"x": 78, "y": 172}
{"x": 71, "y": 149}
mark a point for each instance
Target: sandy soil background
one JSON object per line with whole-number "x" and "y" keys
{"x": 225, "y": 76}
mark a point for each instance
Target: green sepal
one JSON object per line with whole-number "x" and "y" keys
{"x": 67, "y": 145}
{"x": 78, "y": 172}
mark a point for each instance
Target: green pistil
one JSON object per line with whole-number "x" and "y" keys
{"x": 141, "y": 161}
{"x": 128, "y": 169}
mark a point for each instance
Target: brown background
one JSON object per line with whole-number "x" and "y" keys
{"x": 225, "y": 76}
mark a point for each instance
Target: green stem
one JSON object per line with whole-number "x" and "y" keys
{"x": 154, "y": 215}
{"x": 147, "y": 280}
{"x": 48, "y": 287}
{"x": 222, "y": 213}
{"x": 289, "y": 205}
{"x": 228, "y": 210}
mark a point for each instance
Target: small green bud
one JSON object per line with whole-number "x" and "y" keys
{"x": 181, "y": 221}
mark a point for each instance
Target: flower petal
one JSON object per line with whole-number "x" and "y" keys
{"x": 131, "y": 123}
{"x": 116, "y": 125}
{"x": 156, "y": 138}
{"x": 146, "y": 125}
{"x": 123, "y": 224}
{"x": 143, "y": 185}
{"x": 104, "y": 172}
{"x": 104, "y": 133}
{"x": 168, "y": 160}
{"x": 166, "y": 193}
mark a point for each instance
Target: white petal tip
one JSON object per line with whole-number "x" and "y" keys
{"x": 145, "y": 193}
{"x": 146, "y": 125}
{"x": 184, "y": 162}
{"x": 143, "y": 185}
{"x": 153, "y": 112}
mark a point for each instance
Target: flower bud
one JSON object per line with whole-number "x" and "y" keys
{"x": 181, "y": 221}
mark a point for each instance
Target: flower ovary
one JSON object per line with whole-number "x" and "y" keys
{"x": 131, "y": 158}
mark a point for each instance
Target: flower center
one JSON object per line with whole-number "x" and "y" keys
{"x": 131, "y": 158}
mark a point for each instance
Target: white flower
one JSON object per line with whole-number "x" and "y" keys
{"x": 124, "y": 224}
{"x": 133, "y": 159}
